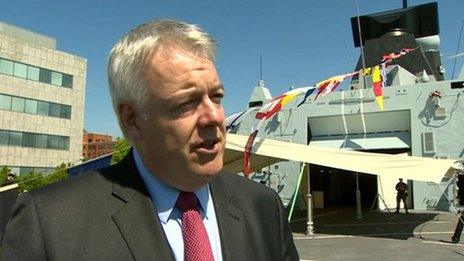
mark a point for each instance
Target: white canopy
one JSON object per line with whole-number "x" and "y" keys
{"x": 267, "y": 151}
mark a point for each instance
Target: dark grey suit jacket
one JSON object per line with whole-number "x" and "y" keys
{"x": 108, "y": 215}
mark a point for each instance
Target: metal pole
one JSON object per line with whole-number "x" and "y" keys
{"x": 361, "y": 47}
{"x": 310, "y": 224}
{"x": 358, "y": 198}
{"x": 269, "y": 177}
{"x": 457, "y": 49}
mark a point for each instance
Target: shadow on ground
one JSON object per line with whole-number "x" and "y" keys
{"x": 344, "y": 221}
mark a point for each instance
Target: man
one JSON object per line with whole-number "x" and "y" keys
{"x": 458, "y": 230}
{"x": 401, "y": 195}
{"x": 456, "y": 238}
{"x": 167, "y": 96}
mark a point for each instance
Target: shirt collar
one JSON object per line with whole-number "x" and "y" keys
{"x": 164, "y": 196}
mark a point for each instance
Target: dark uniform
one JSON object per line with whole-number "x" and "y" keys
{"x": 460, "y": 213}
{"x": 401, "y": 195}
{"x": 457, "y": 232}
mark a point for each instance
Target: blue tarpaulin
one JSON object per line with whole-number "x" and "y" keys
{"x": 92, "y": 164}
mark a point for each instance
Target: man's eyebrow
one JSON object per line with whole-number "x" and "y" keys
{"x": 218, "y": 87}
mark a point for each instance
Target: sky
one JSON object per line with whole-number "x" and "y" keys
{"x": 301, "y": 41}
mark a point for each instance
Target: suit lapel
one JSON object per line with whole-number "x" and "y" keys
{"x": 230, "y": 221}
{"x": 137, "y": 221}
{"x": 136, "y": 218}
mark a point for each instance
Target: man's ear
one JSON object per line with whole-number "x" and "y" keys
{"x": 128, "y": 117}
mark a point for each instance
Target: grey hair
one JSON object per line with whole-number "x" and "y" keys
{"x": 130, "y": 55}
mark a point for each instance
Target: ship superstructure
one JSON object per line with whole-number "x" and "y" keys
{"x": 423, "y": 115}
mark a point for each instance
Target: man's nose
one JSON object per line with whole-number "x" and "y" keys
{"x": 211, "y": 113}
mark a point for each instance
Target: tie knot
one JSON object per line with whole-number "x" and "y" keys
{"x": 187, "y": 201}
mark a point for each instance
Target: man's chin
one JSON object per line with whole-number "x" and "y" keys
{"x": 208, "y": 171}
{"x": 197, "y": 178}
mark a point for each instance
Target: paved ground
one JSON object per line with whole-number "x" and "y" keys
{"x": 339, "y": 235}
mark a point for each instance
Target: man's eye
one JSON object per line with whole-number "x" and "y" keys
{"x": 185, "y": 104}
{"x": 217, "y": 98}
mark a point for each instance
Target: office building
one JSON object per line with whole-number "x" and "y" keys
{"x": 41, "y": 102}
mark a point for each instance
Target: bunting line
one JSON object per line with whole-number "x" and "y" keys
{"x": 325, "y": 87}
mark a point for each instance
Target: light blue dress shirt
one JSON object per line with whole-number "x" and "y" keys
{"x": 164, "y": 198}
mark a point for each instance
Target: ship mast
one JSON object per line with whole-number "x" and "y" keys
{"x": 457, "y": 49}
{"x": 361, "y": 45}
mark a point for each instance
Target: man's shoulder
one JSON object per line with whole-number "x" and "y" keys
{"x": 249, "y": 197}
{"x": 80, "y": 186}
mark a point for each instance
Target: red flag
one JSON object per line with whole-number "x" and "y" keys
{"x": 377, "y": 86}
{"x": 329, "y": 85}
{"x": 247, "y": 152}
{"x": 266, "y": 112}
{"x": 388, "y": 58}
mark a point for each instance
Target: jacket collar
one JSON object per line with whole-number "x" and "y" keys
{"x": 231, "y": 220}
{"x": 136, "y": 217}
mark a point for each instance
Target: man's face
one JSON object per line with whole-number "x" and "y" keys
{"x": 182, "y": 128}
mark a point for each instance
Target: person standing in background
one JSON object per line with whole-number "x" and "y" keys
{"x": 401, "y": 195}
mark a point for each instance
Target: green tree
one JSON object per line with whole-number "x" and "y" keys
{"x": 60, "y": 173}
{"x": 34, "y": 180}
{"x": 30, "y": 181}
{"x": 121, "y": 148}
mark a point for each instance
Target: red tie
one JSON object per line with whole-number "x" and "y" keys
{"x": 196, "y": 242}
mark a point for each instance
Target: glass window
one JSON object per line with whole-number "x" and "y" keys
{"x": 41, "y": 141}
{"x": 67, "y": 81}
{"x": 6, "y": 67}
{"x": 29, "y": 140}
{"x": 45, "y": 76}
{"x": 17, "y": 104}
{"x": 4, "y": 137}
{"x": 31, "y": 106}
{"x": 25, "y": 170}
{"x": 5, "y": 102}
{"x": 57, "y": 78}
{"x": 53, "y": 142}
{"x": 33, "y": 73}
{"x": 15, "y": 170}
{"x": 46, "y": 170}
{"x": 64, "y": 143}
{"x": 20, "y": 70}
{"x": 16, "y": 138}
{"x": 65, "y": 111}
{"x": 54, "y": 110}
{"x": 42, "y": 108}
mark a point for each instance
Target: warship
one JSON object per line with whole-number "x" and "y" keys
{"x": 422, "y": 115}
